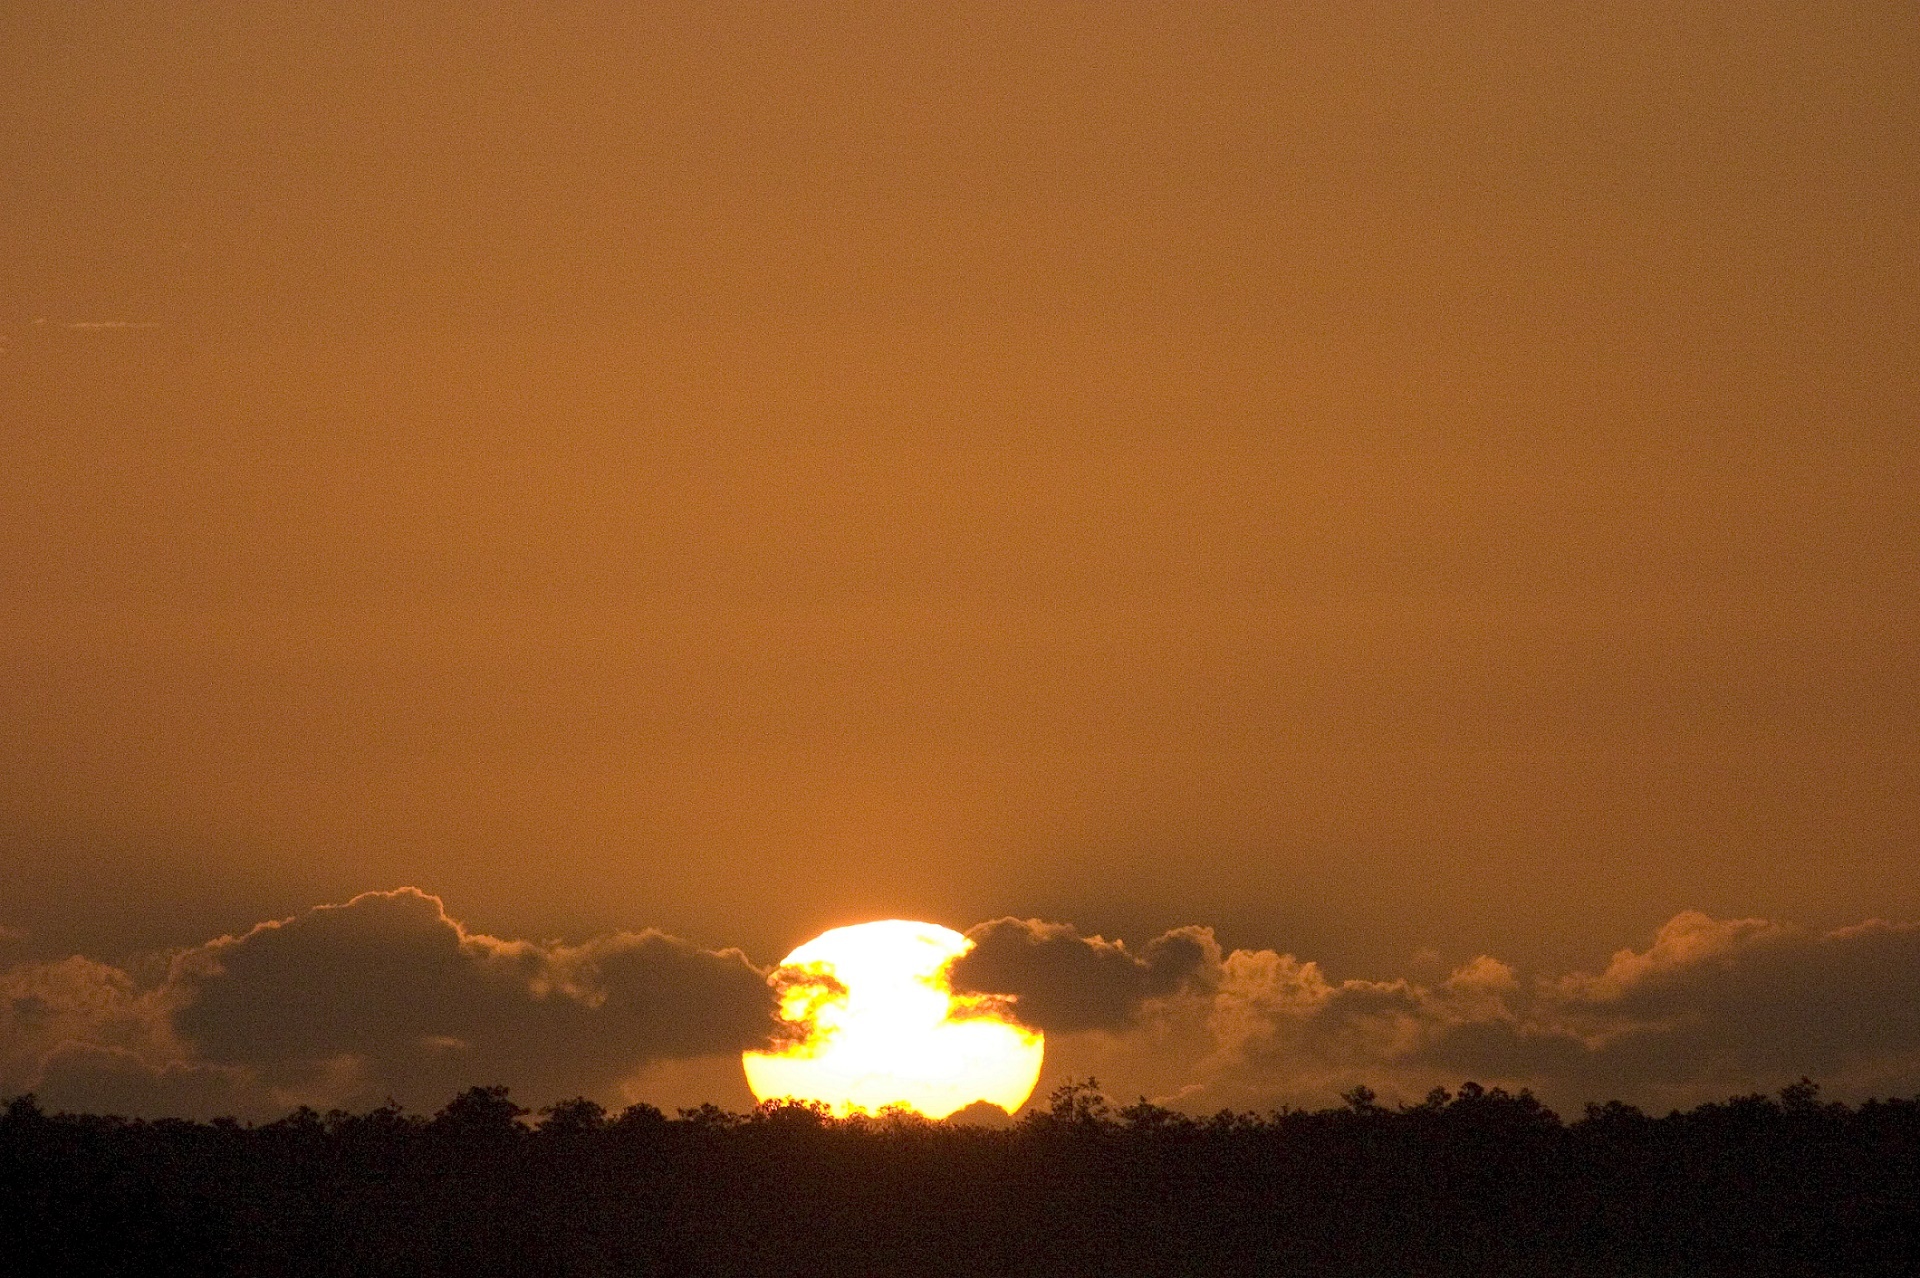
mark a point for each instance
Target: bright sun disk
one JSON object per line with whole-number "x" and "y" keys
{"x": 875, "y": 1023}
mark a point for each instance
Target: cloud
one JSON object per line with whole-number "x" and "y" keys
{"x": 1061, "y": 981}
{"x": 385, "y": 995}
{"x": 114, "y": 1080}
{"x": 1710, "y": 1007}
{"x": 424, "y": 1007}
{"x": 1731, "y": 999}
{"x": 47, "y": 1007}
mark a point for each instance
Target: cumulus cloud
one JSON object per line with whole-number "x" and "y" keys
{"x": 388, "y": 995}
{"x": 385, "y": 995}
{"x": 1061, "y": 981}
{"x": 1742, "y": 998}
{"x": 47, "y": 1007}
{"x": 1710, "y": 1007}
{"x": 89, "y": 1078}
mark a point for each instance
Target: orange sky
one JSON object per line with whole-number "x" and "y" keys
{"x": 1365, "y": 479}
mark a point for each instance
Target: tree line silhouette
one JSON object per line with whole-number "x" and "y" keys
{"x": 1473, "y": 1182}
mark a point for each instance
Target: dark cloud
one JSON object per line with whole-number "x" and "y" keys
{"x": 1711, "y": 1006}
{"x": 45, "y": 1007}
{"x": 421, "y": 1007}
{"x": 1731, "y": 1002}
{"x": 387, "y": 995}
{"x": 114, "y": 1080}
{"x": 1061, "y": 981}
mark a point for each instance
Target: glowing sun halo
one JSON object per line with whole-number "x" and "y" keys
{"x": 875, "y": 1023}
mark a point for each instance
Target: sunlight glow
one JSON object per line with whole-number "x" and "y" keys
{"x": 876, "y": 1024}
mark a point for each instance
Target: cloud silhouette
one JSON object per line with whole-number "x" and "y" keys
{"x": 1710, "y": 1006}
{"x": 89, "y": 1078}
{"x": 392, "y": 988}
{"x": 387, "y": 995}
{"x": 1061, "y": 981}
{"x": 46, "y": 1008}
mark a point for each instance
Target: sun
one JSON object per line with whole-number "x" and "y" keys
{"x": 875, "y": 1023}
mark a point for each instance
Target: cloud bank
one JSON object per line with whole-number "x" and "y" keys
{"x": 386, "y": 995}
{"x": 1711, "y": 1007}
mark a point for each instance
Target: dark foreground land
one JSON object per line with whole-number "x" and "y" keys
{"x": 1478, "y": 1183}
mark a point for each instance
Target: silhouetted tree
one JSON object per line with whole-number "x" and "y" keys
{"x": 479, "y": 1112}
{"x": 1475, "y": 1181}
{"x": 572, "y": 1118}
{"x": 1079, "y": 1104}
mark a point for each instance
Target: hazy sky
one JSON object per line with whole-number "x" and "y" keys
{"x": 1371, "y": 479}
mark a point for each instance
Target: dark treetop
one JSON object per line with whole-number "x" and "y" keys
{"x": 1475, "y": 1183}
